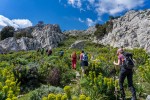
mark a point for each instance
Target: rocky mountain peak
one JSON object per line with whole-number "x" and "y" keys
{"x": 131, "y": 31}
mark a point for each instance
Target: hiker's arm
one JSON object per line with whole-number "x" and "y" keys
{"x": 117, "y": 63}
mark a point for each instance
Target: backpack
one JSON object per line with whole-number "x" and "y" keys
{"x": 61, "y": 53}
{"x": 128, "y": 62}
{"x": 85, "y": 57}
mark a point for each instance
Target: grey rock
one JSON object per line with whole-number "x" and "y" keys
{"x": 78, "y": 44}
{"x": 47, "y": 36}
{"x": 89, "y": 31}
{"x": 1, "y": 50}
{"x": 74, "y": 33}
{"x": 148, "y": 97}
{"x": 131, "y": 31}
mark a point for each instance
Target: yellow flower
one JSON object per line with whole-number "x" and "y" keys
{"x": 88, "y": 98}
{"x": 14, "y": 98}
{"x": 44, "y": 98}
{"x": 64, "y": 97}
{"x": 10, "y": 93}
{"x": 105, "y": 80}
{"x": 82, "y": 97}
{"x": 7, "y": 82}
{"x": 74, "y": 98}
{"x": 12, "y": 83}
{"x": 1, "y": 86}
{"x": 58, "y": 97}
{"x": 5, "y": 89}
{"x": 51, "y": 96}
{"x": 8, "y": 99}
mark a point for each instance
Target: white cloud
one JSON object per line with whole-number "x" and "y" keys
{"x": 91, "y": 1}
{"x": 16, "y": 23}
{"x": 90, "y": 22}
{"x": 75, "y": 3}
{"x": 80, "y": 20}
{"x": 113, "y": 7}
{"x": 22, "y": 23}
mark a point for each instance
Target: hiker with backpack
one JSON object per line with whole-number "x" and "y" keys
{"x": 49, "y": 52}
{"x": 74, "y": 60}
{"x": 42, "y": 51}
{"x": 84, "y": 61}
{"x": 126, "y": 64}
{"x": 61, "y": 53}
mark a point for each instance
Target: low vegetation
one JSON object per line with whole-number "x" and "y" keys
{"x": 30, "y": 75}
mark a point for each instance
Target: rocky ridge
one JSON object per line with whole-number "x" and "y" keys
{"x": 131, "y": 31}
{"x": 47, "y": 36}
{"x": 89, "y": 31}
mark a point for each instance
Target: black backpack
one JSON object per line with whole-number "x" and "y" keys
{"x": 128, "y": 62}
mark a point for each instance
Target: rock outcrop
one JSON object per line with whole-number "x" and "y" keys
{"x": 47, "y": 36}
{"x": 89, "y": 31}
{"x": 131, "y": 31}
{"x": 78, "y": 44}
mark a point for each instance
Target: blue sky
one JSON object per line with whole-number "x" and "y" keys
{"x": 69, "y": 14}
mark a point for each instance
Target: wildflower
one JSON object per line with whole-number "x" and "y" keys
{"x": 5, "y": 89}
{"x": 74, "y": 98}
{"x": 64, "y": 97}
{"x": 88, "y": 98}
{"x": 51, "y": 96}
{"x": 14, "y": 98}
{"x": 1, "y": 86}
{"x": 58, "y": 97}
{"x": 44, "y": 98}
{"x": 82, "y": 97}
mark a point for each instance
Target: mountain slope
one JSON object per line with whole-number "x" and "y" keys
{"x": 131, "y": 31}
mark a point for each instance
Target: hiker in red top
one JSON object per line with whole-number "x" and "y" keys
{"x": 74, "y": 60}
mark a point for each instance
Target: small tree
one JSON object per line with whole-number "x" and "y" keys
{"x": 40, "y": 24}
{"x": 97, "y": 25}
{"x": 7, "y": 31}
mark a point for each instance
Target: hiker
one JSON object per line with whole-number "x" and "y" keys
{"x": 46, "y": 50}
{"x": 42, "y": 51}
{"x": 74, "y": 60}
{"x": 84, "y": 61}
{"x": 49, "y": 52}
{"x": 61, "y": 53}
{"x": 125, "y": 71}
{"x": 38, "y": 49}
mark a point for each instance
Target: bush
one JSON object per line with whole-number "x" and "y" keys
{"x": 28, "y": 78}
{"x": 7, "y": 31}
{"x": 22, "y": 34}
{"x": 103, "y": 29}
{"x": 54, "y": 77}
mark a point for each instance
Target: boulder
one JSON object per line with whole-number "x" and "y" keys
{"x": 78, "y": 44}
{"x": 148, "y": 97}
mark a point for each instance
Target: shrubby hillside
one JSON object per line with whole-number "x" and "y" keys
{"x": 32, "y": 75}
